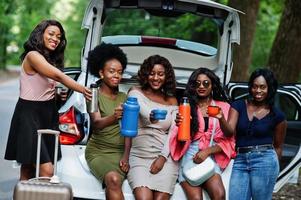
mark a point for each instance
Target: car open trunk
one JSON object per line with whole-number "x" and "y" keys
{"x": 218, "y": 59}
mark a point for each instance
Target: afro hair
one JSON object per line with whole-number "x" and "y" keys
{"x": 103, "y": 53}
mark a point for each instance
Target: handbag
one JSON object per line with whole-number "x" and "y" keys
{"x": 196, "y": 174}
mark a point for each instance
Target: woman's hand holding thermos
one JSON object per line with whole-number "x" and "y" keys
{"x": 87, "y": 94}
{"x": 179, "y": 119}
{"x": 118, "y": 112}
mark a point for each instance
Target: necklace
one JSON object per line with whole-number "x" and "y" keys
{"x": 205, "y": 104}
{"x": 256, "y": 113}
{"x": 259, "y": 111}
{"x": 203, "y": 107}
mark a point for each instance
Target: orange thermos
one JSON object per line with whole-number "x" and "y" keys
{"x": 184, "y": 128}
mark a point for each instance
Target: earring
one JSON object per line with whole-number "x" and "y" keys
{"x": 101, "y": 76}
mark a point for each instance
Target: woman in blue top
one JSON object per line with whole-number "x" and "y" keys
{"x": 260, "y": 130}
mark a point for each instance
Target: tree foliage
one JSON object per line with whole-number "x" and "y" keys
{"x": 143, "y": 23}
{"x": 75, "y": 35}
{"x": 266, "y": 29}
{"x": 19, "y": 17}
{"x": 6, "y": 19}
{"x": 23, "y": 15}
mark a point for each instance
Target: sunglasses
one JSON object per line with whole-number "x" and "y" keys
{"x": 205, "y": 84}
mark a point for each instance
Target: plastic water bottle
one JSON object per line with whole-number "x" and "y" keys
{"x": 93, "y": 105}
{"x": 184, "y": 128}
{"x": 129, "y": 121}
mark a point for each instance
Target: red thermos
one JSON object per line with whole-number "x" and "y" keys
{"x": 184, "y": 128}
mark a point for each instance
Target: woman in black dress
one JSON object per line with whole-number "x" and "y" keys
{"x": 42, "y": 60}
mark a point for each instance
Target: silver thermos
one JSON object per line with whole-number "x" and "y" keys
{"x": 93, "y": 104}
{"x": 58, "y": 91}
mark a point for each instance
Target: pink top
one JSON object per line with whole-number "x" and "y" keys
{"x": 227, "y": 144}
{"x": 35, "y": 87}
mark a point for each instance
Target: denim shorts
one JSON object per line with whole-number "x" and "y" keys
{"x": 192, "y": 150}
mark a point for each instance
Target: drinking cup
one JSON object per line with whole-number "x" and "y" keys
{"x": 213, "y": 110}
{"x": 159, "y": 114}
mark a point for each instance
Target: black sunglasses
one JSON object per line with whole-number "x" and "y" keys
{"x": 205, "y": 84}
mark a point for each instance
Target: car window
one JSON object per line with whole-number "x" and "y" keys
{"x": 147, "y": 24}
{"x": 291, "y": 109}
{"x": 72, "y": 72}
{"x": 288, "y": 105}
{"x": 239, "y": 93}
{"x": 73, "y": 76}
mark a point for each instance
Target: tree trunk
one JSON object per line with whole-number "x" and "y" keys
{"x": 284, "y": 58}
{"x": 242, "y": 55}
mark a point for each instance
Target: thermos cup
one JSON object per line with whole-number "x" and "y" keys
{"x": 159, "y": 114}
{"x": 213, "y": 110}
{"x": 184, "y": 128}
{"x": 129, "y": 121}
{"x": 61, "y": 93}
{"x": 58, "y": 90}
{"x": 93, "y": 104}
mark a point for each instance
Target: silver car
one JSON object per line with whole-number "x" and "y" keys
{"x": 209, "y": 47}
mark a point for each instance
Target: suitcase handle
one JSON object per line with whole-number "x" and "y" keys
{"x": 51, "y": 132}
{"x": 48, "y": 131}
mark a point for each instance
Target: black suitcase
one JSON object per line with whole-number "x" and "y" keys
{"x": 44, "y": 188}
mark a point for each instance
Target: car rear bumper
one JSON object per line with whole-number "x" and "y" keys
{"x": 73, "y": 169}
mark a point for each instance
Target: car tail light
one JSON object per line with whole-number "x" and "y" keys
{"x": 157, "y": 40}
{"x": 70, "y": 132}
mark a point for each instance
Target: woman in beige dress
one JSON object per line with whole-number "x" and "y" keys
{"x": 153, "y": 173}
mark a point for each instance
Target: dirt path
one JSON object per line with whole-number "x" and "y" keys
{"x": 289, "y": 191}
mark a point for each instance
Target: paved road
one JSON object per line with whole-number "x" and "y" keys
{"x": 9, "y": 171}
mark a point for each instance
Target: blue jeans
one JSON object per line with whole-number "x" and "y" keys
{"x": 254, "y": 175}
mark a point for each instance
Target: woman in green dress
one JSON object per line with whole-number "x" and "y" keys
{"x": 105, "y": 153}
